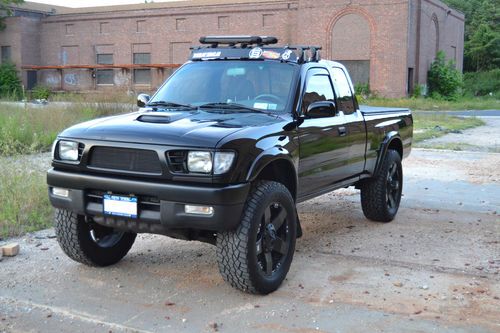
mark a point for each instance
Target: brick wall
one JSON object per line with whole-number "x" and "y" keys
{"x": 384, "y": 34}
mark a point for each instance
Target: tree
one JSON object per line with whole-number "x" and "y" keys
{"x": 443, "y": 79}
{"x": 482, "y": 33}
{"x": 6, "y": 11}
{"x": 10, "y": 85}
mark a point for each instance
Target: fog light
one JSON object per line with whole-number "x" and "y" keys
{"x": 199, "y": 210}
{"x": 60, "y": 192}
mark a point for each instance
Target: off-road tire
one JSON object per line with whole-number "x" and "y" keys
{"x": 374, "y": 192}
{"x": 74, "y": 236}
{"x": 238, "y": 251}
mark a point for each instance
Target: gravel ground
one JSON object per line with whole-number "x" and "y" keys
{"x": 483, "y": 138}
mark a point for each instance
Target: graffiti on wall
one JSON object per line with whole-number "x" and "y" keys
{"x": 71, "y": 79}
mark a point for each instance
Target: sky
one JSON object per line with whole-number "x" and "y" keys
{"x": 92, "y": 3}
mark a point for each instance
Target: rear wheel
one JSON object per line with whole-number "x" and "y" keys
{"x": 88, "y": 242}
{"x": 257, "y": 255}
{"x": 381, "y": 196}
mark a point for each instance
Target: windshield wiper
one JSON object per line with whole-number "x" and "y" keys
{"x": 230, "y": 106}
{"x": 170, "y": 104}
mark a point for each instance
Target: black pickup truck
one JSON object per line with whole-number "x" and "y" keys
{"x": 222, "y": 153}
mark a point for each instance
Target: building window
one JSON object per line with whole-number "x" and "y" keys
{"x": 6, "y": 54}
{"x": 223, "y": 22}
{"x": 104, "y": 27}
{"x": 180, "y": 24}
{"x": 141, "y": 26}
{"x": 267, "y": 20}
{"x": 105, "y": 76}
{"x": 69, "y": 28}
{"x": 142, "y": 75}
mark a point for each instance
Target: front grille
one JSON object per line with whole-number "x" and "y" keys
{"x": 125, "y": 159}
{"x": 177, "y": 161}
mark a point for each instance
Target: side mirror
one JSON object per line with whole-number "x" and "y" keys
{"x": 321, "y": 109}
{"x": 142, "y": 100}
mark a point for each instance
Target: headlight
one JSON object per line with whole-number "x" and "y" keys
{"x": 68, "y": 150}
{"x": 223, "y": 162}
{"x": 207, "y": 162}
{"x": 199, "y": 161}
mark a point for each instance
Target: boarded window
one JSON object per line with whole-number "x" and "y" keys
{"x": 358, "y": 69}
{"x": 267, "y": 20}
{"x": 141, "y": 26}
{"x": 69, "y": 28}
{"x": 70, "y": 55}
{"x": 179, "y": 52}
{"x": 180, "y": 24}
{"x": 105, "y": 76}
{"x": 223, "y": 22}
{"x": 142, "y": 75}
{"x": 104, "y": 27}
{"x": 6, "y": 54}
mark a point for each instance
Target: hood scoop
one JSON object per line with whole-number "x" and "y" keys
{"x": 160, "y": 117}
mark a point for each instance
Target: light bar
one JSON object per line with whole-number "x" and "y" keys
{"x": 231, "y": 40}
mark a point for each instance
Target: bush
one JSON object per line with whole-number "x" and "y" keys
{"x": 443, "y": 79}
{"x": 10, "y": 84}
{"x": 482, "y": 83}
{"x": 41, "y": 92}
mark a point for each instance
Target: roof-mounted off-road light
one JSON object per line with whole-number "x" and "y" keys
{"x": 233, "y": 40}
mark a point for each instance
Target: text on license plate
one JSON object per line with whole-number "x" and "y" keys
{"x": 120, "y": 205}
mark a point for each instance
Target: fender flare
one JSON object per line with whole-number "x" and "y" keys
{"x": 384, "y": 146}
{"x": 267, "y": 157}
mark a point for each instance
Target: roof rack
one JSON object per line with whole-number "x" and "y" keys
{"x": 243, "y": 40}
{"x": 237, "y": 47}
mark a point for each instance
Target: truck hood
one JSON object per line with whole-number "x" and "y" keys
{"x": 176, "y": 128}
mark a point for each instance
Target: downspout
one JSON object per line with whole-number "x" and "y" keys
{"x": 417, "y": 47}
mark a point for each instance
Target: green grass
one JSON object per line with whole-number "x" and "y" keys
{"x": 424, "y": 104}
{"x": 428, "y": 126}
{"x": 23, "y": 193}
{"x": 34, "y": 129}
{"x": 24, "y": 204}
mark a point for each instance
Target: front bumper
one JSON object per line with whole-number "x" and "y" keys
{"x": 165, "y": 212}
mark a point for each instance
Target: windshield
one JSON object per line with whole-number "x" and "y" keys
{"x": 262, "y": 85}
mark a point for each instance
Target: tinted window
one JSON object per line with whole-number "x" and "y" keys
{"x": 105, "y": 76}
{"x": 345, "y": 102}
{"x": 6, "y": 53}
{"x": 105, "y": 59}
{"x": 318, "y": 88}
{"x": 264, "y": 85}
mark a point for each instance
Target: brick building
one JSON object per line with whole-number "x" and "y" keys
{"x": 388, "y": 43}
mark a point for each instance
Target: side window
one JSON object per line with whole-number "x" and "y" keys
{"x": 345, "y": 102}
{"x": 318, "y": 88}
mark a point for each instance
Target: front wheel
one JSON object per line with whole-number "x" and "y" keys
{"x": 88, "y": 242}
{"x": 380, "y": 196}
{"x": 257, "y": 255}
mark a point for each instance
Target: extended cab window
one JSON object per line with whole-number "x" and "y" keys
{"x": 318, "y": 88}
{"x": 345, "y": 102}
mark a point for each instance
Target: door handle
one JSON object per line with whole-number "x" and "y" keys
{"x": 342, "y": 131}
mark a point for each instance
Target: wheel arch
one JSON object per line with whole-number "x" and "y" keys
{"x": 275, "y": 167}
{"x": 391, "y": 141}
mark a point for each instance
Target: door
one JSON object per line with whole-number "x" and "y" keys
{"x": 323, "y": 146}
{"x": 32, "y": 80}
{"x": 354, "y": 122}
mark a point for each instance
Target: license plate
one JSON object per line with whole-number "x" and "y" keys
{"x": 120, "y": 206}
